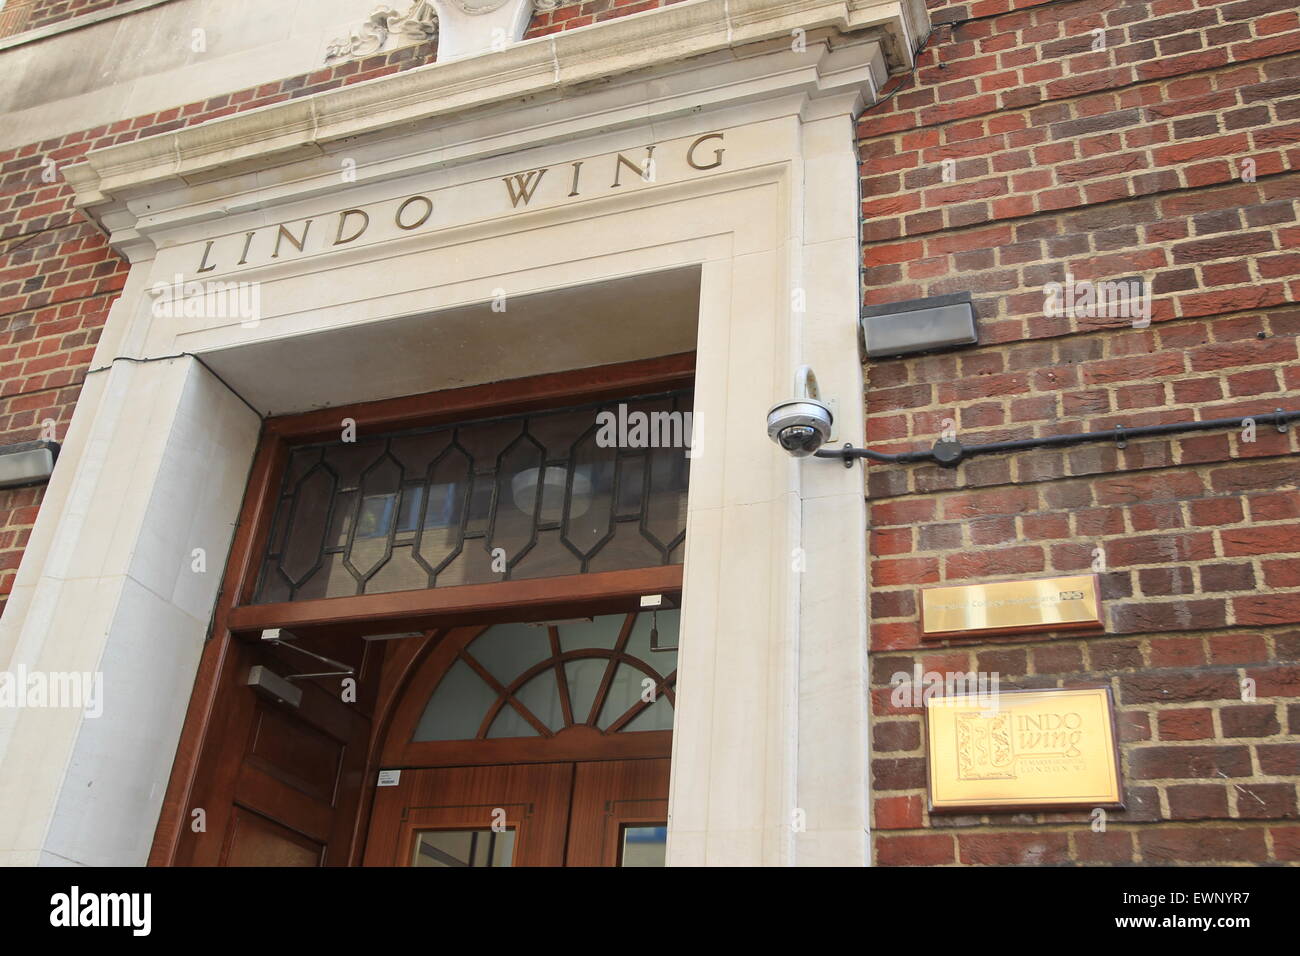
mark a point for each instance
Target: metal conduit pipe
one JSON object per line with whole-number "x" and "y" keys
{"x": 949, "y": 454}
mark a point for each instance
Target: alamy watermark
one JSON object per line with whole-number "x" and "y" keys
{"x": 75, "y": 690}
{"x": 1128, "y": 298}
{"x": 179, "y": 299}
{"x": 76, "y": 908}
{"x": 633, "y": 428}
{"x": 953, "y": 689}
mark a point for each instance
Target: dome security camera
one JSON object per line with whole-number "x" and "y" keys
{"x": 802, "y": 424}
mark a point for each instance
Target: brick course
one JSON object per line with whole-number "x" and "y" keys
{"x": 1020, "y": 152}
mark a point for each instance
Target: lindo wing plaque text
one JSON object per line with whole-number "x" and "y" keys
{"x": 1015, "y": 750}
{"x": 1046, "y": 604}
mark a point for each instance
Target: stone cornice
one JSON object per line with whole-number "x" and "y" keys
{"x": 283, "y": 132}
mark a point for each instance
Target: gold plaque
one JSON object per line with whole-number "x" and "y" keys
{"x": 1023, "y": 749}
{"x": 1006, "y": 607}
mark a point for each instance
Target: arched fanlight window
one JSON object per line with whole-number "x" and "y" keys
{"x": 527, "y": 680}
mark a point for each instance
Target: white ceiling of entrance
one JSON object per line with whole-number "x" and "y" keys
{"x": 581, "y": 327}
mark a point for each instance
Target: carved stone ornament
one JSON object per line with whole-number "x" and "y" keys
{"x": 386, "y": 29}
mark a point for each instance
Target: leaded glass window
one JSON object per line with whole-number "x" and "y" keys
{"x": 595, "y": 488}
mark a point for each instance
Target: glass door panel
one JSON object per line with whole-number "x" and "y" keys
{"x": 469, "y": 848}
{"x": 644, "y": 845}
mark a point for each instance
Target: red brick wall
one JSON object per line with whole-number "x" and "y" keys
{"x": 1109, "y": 163}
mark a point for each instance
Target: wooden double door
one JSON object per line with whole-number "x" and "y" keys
{"x": 587, "y": 813}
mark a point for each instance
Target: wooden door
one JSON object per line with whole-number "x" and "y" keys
{"x": 619, "y": 813}
{"x": 593, "y": 813}
{"x": 473, "y": 816}
{"x": 280, "y": 785}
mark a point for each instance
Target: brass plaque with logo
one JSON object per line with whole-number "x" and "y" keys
{"x": 1023, "y": 750}
{"x": 1008, "y": 607}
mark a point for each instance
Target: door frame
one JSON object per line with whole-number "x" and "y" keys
{"x": 237, "y": 621}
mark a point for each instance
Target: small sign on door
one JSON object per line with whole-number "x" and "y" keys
{"x": 389, "y": 778}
